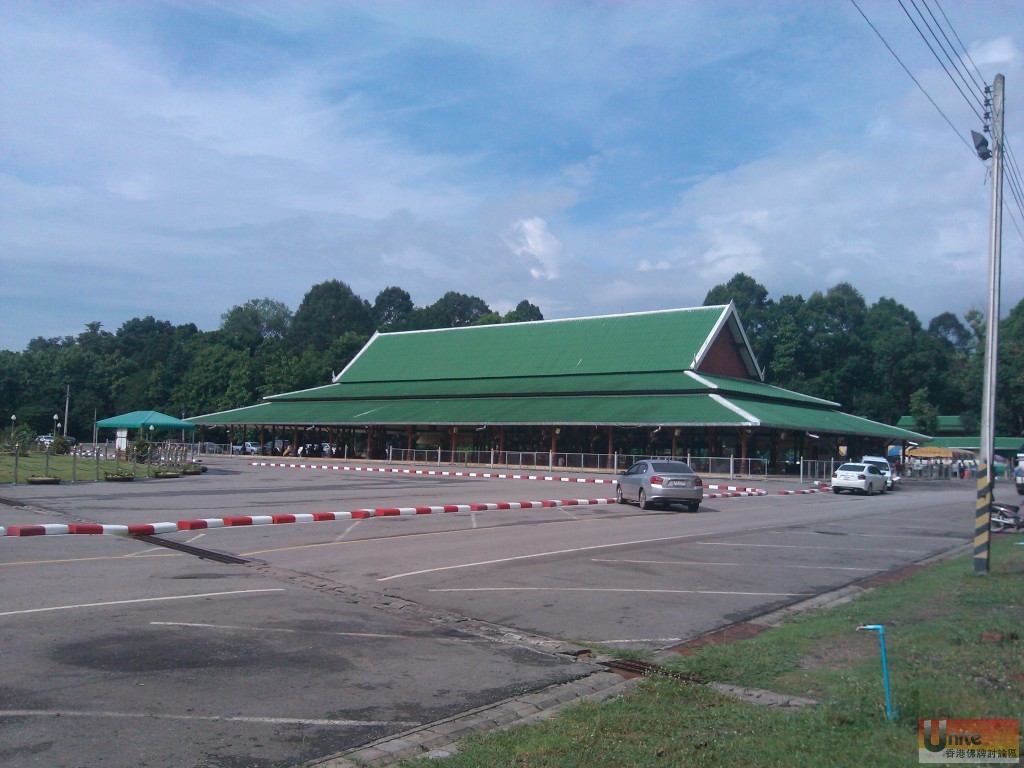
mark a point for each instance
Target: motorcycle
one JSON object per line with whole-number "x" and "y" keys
{"x": 1005, "y": 516}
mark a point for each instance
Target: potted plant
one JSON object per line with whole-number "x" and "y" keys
{"x": 43, "y": 480}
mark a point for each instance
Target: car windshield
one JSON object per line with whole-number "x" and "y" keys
{"x": 677, "y": 467}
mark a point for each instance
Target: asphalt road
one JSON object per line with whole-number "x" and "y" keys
{"x": 120, "y": 653}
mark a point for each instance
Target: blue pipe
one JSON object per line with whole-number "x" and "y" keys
{"x": 889, "y": 714}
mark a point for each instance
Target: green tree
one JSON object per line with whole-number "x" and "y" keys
{"x": 392, "y": 309}
{"x": 925, "y": 415}
{"x": 756, "y": 310}
{"x": 247, "y": 326}
{"x": 218, "y": 379}
{"x": 524, "y": 312}
{"x": 328, "y": 310}
{"x": 453, "y": 310}
{"x": 902, "y": 355}
{"x": 837, "y": 365}
{"x": 1010, "y": 389}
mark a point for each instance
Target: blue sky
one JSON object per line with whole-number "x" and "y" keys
{"x": 176, "y": 159}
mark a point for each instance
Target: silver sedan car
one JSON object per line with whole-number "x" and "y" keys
{"x": 653, "y": 482}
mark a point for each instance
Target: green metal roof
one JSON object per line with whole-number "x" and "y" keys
{"x": 973, "y": 442}
{"x": 597, "y": 410}
{"x": 619, "y": 370}
{"x": 670, "y": 340}
{"x": 659, "y": 382}
{"x": 662, "y": 381}
{"x": 789, "y": 416}
{"x": 727, "y": 384}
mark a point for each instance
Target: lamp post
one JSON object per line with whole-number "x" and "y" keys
{"x": 14, "y": 418}
{"x": 149, "y": 452}
{"x": 55, "y": 426}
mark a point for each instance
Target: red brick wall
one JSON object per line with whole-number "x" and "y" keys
{"x": 723, "y": 358}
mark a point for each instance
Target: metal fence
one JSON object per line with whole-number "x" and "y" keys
{"x": 90, "y": 461}
{"x": 600, "y": 462}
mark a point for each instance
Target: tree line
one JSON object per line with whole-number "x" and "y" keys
{"x": 261, "y": 348}
{"x": 877, "y": 361}
{"x": 880, "y": 361}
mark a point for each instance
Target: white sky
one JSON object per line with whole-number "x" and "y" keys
{"x": 176, "y": 159}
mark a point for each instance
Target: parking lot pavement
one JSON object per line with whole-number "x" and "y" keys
{"x": 328, "y": 636}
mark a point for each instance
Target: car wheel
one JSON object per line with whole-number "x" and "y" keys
{"x": 618, "y": 495}
{"x": 870, "y": 491}
{"x": 644, "y": 504}
{"x": 835, "y": 491}
{"x": 693, "y": 506}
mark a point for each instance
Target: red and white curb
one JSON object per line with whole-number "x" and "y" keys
{"x": 434, "y": 472}
{"x": 313, "y": 517}
{"x": 730, "y": 490}
{"x": 139, "y": 529}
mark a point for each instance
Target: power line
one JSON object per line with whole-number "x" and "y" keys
{"x": 956, "y": 61}
{"x": 1014, "y": 178}
{"x": 911, "y": 76}
{"x": 962, "y": 46}
{"x": 937, "y": 57}
{"x": 1016, "y": 184}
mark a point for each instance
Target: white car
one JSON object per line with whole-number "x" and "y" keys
{"x": 891, "y": 479}
{"x": 858, "y": 478}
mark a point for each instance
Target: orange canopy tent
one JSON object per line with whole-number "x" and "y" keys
{"x": 939, "y": 452}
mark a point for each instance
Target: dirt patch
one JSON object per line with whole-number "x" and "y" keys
{"x": 840, "y": 653}
{"x": 891, "y": 577}
{"x": 740, "y": 631}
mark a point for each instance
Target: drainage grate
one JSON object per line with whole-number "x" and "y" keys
{"x": 188, "y": 549}
{"x": 646, "y": 668}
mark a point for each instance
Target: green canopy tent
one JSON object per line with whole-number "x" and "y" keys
{"x": 145, "y": 420}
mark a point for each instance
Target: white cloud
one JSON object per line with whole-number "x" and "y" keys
{"x": 1002, "y": 50}
{"x": 283, "y": 144}
{"x": 530, "y": 238}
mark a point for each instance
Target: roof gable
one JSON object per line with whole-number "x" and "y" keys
{"x": 668, "y": 340}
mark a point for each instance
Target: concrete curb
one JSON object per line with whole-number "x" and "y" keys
{"x": 440, "y": 738}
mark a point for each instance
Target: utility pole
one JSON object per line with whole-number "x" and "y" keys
{"x": 986, "y": 471}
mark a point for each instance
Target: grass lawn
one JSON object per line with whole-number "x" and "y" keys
{"x": 954, "y": 648}
{"x": 67, "y": 468}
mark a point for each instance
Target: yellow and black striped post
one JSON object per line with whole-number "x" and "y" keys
{"x": 981, "y": 519}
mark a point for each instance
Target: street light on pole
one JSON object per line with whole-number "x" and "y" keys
{"x": 14, "y": 418}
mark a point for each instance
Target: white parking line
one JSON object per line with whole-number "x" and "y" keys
{"x": 140, "y": 600}
{"x": 270, "y": 629}
{"x": 209, "y": 718}
{"x": 617, "y": 589}
{"x": 694, "y": 562}
{"x": 348, "y": 529}
{"x": 536, "y": 555}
